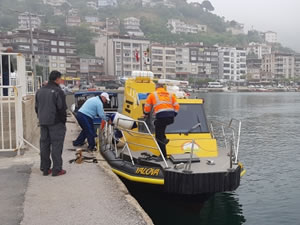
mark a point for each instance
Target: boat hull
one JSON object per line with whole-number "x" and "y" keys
{"x": 171, "y": 181}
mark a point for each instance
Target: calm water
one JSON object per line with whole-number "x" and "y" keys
{"x": 270, "y": 150}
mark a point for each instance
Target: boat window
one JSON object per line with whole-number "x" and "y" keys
{"x": 189, "y": 115}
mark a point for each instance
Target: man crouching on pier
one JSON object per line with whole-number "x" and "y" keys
{"x": 50, "y": 106}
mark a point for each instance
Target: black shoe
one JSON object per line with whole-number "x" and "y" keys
{"x": 47, "y": 172}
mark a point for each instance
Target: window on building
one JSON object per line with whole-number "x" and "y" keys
{"x": 170, "y": 52}
{"x": 61, "y": 43}
{"x": 193, "y": 52}
{"x": 53, "y": 49}
{"x": 193, "y": 58}
{"x": 53, "y": 42}
{"x": 54, "y": 57}
{"x": 62, "y": 65}
{"x": 54, "y": 65}
{"x": 61, "y": 50}
{"x": 61, "y": 57}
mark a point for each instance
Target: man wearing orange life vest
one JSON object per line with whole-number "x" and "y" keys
{"x": 165, "y": 108}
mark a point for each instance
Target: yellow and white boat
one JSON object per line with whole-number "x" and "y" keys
{"x": 202, "y": 158}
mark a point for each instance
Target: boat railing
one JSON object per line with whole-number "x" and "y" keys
{"x": 110, "y": 138}
{"x": 230, "y": 133}
{"x": 134, "y": 94}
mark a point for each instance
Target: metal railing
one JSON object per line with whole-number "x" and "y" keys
{"x": 15, "y": 83}
{"x": 230, "y": 133}
{"x": 107, "y": 135}
{"x": 11, "y": 121}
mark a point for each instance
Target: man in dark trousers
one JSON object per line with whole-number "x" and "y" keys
{"x": 5, "y": 70}
{"x": 92, "y": 108}
{"x": 50, "y": 106}
{"x": 165, "y": 108}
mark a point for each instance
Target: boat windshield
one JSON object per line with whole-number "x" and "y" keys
{"x": 189, "y": 115}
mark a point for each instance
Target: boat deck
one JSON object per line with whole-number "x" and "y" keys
{"x": 221, "y": 163}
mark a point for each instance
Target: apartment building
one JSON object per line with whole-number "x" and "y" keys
{"x": 235, "y": 28}
{"x": 107, "y": 3}
{"x": 24, "y": 21}
{"x": 132, "y": 26}
{"x": 279, "y": 66}
{"x": 254, "y": 69}
{"x": 177, "y": 26}
{"x": 204, "y": 61}
{"x": 73, "y": 18}
{"x": 183, "y": 65}
{"x": 92, "y": 5}
{"x": 122, "y": 54}
{"x": 51, "y": 50}
{"x": 157, "y": 3}
{"x": 297, "y": 66}
{"x": 91, "y": 68}
{"x": 258, "y": 49}
{"x": 55, "y": 3}
{"x": 163, "y": 61}
{"x": 232, "y": 63}
{"x": 271, "y": 37}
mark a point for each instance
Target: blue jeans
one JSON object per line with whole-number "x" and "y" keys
{"x": 88, "y": 131}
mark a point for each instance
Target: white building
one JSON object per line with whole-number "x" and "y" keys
{"x": 271, "y": 37}
{"x": 297, "y": 66}
{"x": 258, "y": 49}
{"x": 122, "y": 54}
{"x": 23, "y": 21}
{"x": 236, "y": 30}
{"x": 279, "y": 66}
{"x": 232, "y": 63}
{"x": 183, "y": 65}
{"x": 92, "y": 5}
{"x": 163, "y": 61}
{"x": 91, "y": 19}
{"x": 57, "y": 63}
{"x": 107, "y": 3}
{"x": 132, "y": 26}
{"x": 157, "y": 3}
{"x": 73, "y": 18}
{"x": 55, "y": 2}
{"x": 178, "y": 26}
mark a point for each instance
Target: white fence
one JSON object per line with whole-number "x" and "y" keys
{"x": 15, "y": 83}
{"x": 11, "y": 121}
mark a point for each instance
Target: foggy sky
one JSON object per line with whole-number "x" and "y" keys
{"x": 281, "y": 16}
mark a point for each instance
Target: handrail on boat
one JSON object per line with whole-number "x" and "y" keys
{"x": 235, "y": 134}
{"x": 130, "y": 132}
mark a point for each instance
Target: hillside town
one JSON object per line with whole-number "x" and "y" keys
{"x": 121, "y": 47}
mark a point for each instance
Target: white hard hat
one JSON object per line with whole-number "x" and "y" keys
{"x": 105, "y": 95}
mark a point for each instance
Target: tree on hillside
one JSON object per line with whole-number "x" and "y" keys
{"x": 208, "y": 6}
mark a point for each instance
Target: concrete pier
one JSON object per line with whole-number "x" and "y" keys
{"x": 88, "y": 194}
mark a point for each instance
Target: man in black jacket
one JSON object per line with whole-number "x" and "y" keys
{"x": 50, "y": 106}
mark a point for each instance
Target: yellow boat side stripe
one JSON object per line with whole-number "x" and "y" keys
{"x": 243, "y": 172}
{"x": 139, "y": 179}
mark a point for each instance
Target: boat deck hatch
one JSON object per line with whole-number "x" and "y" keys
{"x": 183, "y": 158}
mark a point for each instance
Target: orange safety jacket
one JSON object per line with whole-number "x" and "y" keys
{"x": 164, "y": 104}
